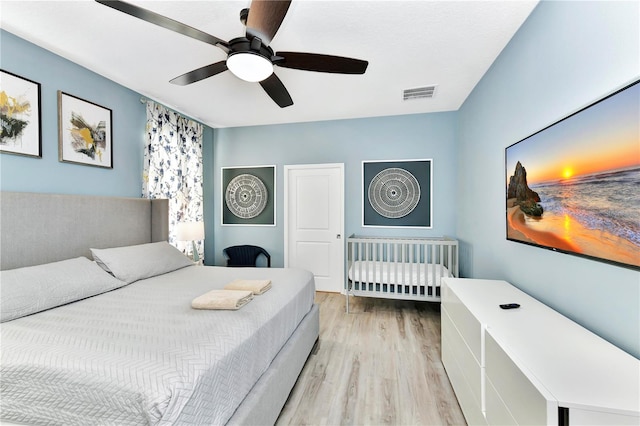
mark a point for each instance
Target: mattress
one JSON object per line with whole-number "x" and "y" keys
{"x": 415, "y": 274}
{"x": 141, "y": 355}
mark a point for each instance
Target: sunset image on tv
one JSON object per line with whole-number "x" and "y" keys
{"x": 575, "y": 186}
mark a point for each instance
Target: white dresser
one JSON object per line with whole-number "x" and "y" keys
{"x": 531, "y": 365}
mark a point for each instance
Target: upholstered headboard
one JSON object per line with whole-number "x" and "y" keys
{"x": 41, "y": 228}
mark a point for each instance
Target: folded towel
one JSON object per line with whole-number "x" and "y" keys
{"x": 222, "y": 299}
{"x": 256, "y": 286}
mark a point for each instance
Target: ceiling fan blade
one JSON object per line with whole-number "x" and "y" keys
{"x": 276, "y": 90}
{"x": 321, "y": 63}
{"x": 163, "y": 21}
{"x": 265, "y": 17}
{"x": 200, "y": 74}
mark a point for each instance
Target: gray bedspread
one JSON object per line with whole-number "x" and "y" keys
{"x": 142, "y": 355}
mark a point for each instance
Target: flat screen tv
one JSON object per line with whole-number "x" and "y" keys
{"x": 574, "y": 186}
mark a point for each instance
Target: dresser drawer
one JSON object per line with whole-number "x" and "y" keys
{"x": 584, "y": 417}
{"x": 529, "y": 402}
{"x": 469, "y": 404}
{"x": 465, "y": 322}
{"x": 454, "y": 346}
{"x": 497, "y": 412}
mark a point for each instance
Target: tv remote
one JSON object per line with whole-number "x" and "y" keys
{"x": 510, "y": 306}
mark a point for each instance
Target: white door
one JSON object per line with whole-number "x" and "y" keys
{"x": 313, "y": 221}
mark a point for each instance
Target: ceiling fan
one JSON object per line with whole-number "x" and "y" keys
{"x": 250, "y": 58}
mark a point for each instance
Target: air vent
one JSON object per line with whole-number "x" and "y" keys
{"x": 418, "y": 93}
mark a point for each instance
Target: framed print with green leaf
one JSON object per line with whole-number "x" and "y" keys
{"x": 249, "y": 196}
{"x": 21, "y": 131}
{"x": 84, "y": 132}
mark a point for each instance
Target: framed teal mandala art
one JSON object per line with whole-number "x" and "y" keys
{"x": 397, "y": 193}
{"x": 248, "y": 195}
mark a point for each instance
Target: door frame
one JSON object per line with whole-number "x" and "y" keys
{"x": 287, "y": 168}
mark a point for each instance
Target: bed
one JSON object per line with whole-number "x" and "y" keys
{"x": 135, "y": 352}
{"x": 399, "y": 268}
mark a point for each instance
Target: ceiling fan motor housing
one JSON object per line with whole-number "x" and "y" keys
{"x": 244, "y": 45}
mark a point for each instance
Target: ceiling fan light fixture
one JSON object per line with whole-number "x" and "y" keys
{"x": 249, "y": 66}
{"x": 250, "y": 58}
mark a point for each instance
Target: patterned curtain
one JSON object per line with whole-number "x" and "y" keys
{"x": 173, "y": 168}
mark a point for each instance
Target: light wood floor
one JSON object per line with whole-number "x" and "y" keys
{"x": 378, "y": 365}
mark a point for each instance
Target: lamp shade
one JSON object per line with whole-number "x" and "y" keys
{"x": 190, "y": 231}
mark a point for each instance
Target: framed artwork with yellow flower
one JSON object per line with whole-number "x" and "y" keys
{"x": 20, "y": 121}
{"x": 84, "y": 132}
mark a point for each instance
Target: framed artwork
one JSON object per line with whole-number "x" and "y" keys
{"x": 21, "y": 131}
{"x": 249, "y": 196}
{"x": 84, "y": 132}
{"x": 397, "y": 193}
{"x": 572, "y": 187}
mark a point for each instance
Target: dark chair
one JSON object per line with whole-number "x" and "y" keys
{"x": 245, "y": 255}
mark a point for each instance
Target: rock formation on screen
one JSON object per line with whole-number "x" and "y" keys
{"x": 525, "y": 197}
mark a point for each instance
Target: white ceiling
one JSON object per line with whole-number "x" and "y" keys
{"x": 408, "y": 44}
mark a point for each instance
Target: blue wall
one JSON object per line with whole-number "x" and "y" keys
{"x": 345, "y": 141}
{"x": 565, "y": 56}
{"x": 47, "y": 174}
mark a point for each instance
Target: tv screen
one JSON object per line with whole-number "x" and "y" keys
{"x": 574, "y": 186}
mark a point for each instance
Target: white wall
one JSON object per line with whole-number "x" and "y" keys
{"x": 566, "y": 55}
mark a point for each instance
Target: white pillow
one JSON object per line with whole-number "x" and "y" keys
{"x": 133, "y": 263}
{"x": 36, "y": 288}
